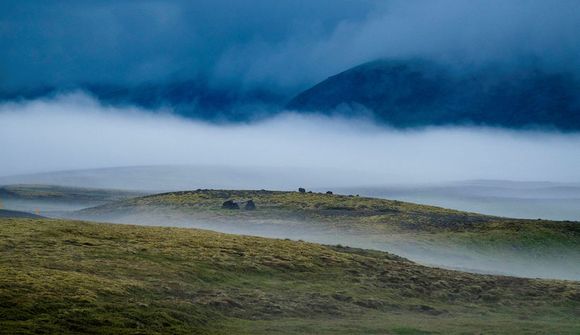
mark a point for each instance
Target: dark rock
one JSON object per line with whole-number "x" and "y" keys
{"x": 328, "y": 192}
{"x": 301, "y": 190}
{"x": 230, "y": 204}
{"x": 250, "y": 205}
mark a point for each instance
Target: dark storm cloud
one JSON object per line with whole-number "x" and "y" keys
{"x": 283, "y": 43}
{"x": 71, "y": 41}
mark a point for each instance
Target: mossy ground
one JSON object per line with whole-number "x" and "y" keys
{"x": 60, "y": 276}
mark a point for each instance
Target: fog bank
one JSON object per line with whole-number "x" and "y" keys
{"x": 76, "y": 132}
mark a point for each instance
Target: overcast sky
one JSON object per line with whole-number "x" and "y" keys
{"x": 286, "y": 44}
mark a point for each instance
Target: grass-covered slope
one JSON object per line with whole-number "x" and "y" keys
{"x": 357, "y": 215}
{"x": 51, "y": 200}
{"x": 432, "y": 235}
{"x": 74, "y": 277}
{"x": 389, "y": 213}
{"x": 63, "y": 193}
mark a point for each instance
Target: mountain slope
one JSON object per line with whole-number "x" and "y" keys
{"x": 409, "y": 93}
{"x": 72, "y": 277}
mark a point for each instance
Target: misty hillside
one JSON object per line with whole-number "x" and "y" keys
{"x": 426, "y": 234}
{"x": 408, "y": 93}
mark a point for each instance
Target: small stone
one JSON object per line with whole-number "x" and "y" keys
{"x": 250, "y": 205}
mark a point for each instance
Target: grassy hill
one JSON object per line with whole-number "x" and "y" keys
{"x": 61, "y": 276}
{"x": 64, "y": 193}
{"x": 51, "y": 200}
{"x": 433, "y": 235}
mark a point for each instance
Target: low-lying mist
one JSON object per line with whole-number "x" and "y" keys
{"x": 521, "y": 263}
{"x": 76, "y": 132}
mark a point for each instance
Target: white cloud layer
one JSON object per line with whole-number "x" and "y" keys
{"x": 76, "y": 132}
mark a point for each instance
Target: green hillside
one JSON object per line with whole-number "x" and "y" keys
{"x": 64, "y": 193}
{"x": 61, "y": 277}
{"x": 433, "y": 235}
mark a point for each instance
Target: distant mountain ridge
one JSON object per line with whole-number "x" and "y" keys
{"x": 400, "y": 93}
{"x": 195, "y": 98}
{"x": 411, "y": 93}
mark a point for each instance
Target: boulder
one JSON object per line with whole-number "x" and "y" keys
{"x": 328, "y": 192}
{"x": 250, "y": 205}
{"x": 230, "y": 204}
{"x": 301, "y": 190}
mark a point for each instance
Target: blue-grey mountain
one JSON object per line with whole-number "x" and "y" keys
{"x": 415, "y": 93}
